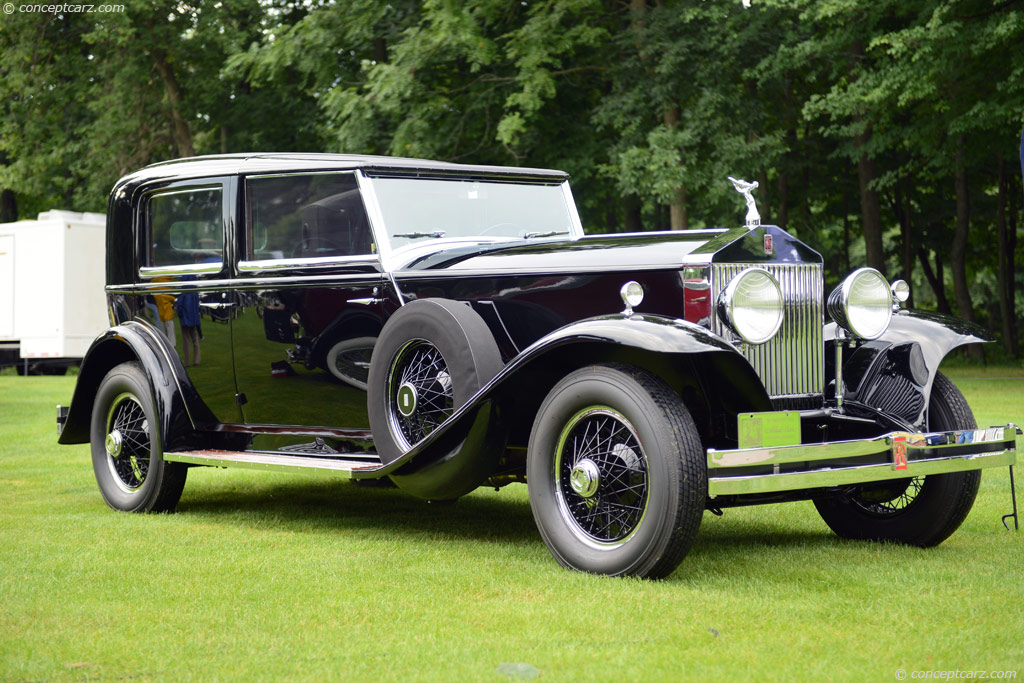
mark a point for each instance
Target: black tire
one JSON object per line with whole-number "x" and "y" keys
{"x": 444, "y": 352}
{"x": 349, "y": 360}
{"x": 636, "y": 508}
{"x": 923, "y": 511}
{"x": 126, "y": 445}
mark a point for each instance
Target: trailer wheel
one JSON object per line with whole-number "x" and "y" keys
{"x": 616, "y": 478}
{"x": 922, "y": 511}
{"x": 126, "y": 445}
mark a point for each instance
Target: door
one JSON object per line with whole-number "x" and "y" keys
{"x": 308, "y": 309}
{"x": 183, "y": 292}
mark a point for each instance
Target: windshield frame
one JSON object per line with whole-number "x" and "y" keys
{"x": 395, "y": 258}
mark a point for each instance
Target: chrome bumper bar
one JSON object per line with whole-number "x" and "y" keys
{"x": 896, "y": 455}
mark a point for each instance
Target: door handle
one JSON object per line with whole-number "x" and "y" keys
{"x": 217, "y": 304}
{"x": 369, "y": 301}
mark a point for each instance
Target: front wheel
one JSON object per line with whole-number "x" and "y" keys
{"x": 923, "y": 511}
{"x": 127, "y": 457}
{"x": 616, "y": 480}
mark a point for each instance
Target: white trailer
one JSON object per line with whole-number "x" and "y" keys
{"x": 52, "y": 303}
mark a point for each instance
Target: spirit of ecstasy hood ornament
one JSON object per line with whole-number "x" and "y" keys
{"x": 746, "y": 189}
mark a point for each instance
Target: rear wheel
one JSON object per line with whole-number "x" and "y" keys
{"x": 921, "y": 511}
{"x": 126, "y": 446}
{"x": 616, "y": 480}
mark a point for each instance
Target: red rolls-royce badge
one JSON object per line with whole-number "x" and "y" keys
{"x": 768, "y": 244}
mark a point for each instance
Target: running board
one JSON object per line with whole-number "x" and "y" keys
{"x": 363, "y": 467}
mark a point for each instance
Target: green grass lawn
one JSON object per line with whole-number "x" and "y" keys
{"x": 271, "y": 576}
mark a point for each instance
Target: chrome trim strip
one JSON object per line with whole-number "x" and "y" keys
{"x": 219, "y": 285}
{"x": 185, "y": 269}
{"x": 376, "y": 218}
{"x": 398, "y": 292}
{"x": 276, "y": 265}
{"x": 574, "y": 216}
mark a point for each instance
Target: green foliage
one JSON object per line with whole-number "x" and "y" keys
{"x": 648, "y": 103}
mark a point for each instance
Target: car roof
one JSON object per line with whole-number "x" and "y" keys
{"x": 266, "y": 162}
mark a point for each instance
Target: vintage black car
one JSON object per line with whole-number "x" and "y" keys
{"x": 448, "y": 326}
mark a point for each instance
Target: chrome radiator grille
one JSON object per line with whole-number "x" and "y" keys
{"x": 792, "y": 364}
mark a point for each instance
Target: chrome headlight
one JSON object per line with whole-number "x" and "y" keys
{"x": 751, "y": 305}
{"x": 862, "y": 304}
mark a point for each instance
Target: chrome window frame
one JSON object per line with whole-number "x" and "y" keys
{"x": 379, "y": 229}
{"x": 143, "y": 229}
{"x": 246, "y": 265}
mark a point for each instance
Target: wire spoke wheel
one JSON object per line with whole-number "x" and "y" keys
{"x": 354, "y": 363}
{"x": 890, "y": 499}
{"x": 601, "y": 476}
{"x": 127, "y": 442}
{"x": 420, "y": 392}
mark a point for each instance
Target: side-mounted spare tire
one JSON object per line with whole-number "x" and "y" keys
{"x": 431, "y": 357}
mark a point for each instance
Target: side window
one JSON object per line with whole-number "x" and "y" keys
{"x": 185, "y": 228}
{"x": 306, "y": 216}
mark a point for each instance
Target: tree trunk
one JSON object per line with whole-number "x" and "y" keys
{"x": 846, "y": 237}
{"x": 179, "y": 127}
{"x": 902, "y": 209}
{"x": 1006, "y": 241}
{"x": 958, "y": 252}
{"x": 870, "y": 207}
{"x": 634, "y": 214}
{"x": 8, "y": 207}
{"x": 935, "y": 279}
{"x": 679, "y": 217}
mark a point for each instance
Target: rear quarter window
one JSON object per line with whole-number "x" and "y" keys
{"x": 183, "y": 230}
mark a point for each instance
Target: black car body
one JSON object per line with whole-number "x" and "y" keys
{"x": 451, "y": 326}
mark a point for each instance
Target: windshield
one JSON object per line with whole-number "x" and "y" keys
{"x": 418, "y": 210}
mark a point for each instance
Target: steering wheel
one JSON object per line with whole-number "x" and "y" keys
{"x": 317, "y": 245}
{"x": 498, "y": 226}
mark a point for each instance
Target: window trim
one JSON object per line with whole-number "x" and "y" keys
{"x": 286, "y": 264}
{"x": 143, "y": 228}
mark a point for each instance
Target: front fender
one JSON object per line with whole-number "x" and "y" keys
{"x": 662, "y": 345}
{"x": 895, "y": 373}
{"x": 136, "y": 341}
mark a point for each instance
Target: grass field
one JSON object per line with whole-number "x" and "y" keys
{"x": 274, "y": 576}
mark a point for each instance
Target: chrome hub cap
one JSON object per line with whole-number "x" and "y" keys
{"x": 585, "y": 478}
{"x": 406, "y": 399}
{"x": 113, "y": 444}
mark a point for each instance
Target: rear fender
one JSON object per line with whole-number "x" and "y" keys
{"x": 895, "y": 373}
{"x": 176, "y": 401}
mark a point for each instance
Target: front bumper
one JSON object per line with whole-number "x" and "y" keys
{"x": 897, "y": 455}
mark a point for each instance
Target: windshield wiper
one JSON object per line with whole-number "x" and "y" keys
{"x": 531, "y": 235}
{"x": 435, "y": 234}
